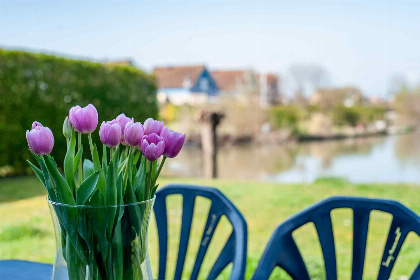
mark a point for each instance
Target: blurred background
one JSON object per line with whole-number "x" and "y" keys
{"x": 315, "y": 98}
{"x": 308, "y": 88}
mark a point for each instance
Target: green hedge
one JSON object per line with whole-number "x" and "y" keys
{"x": 284, "y": 116}
{"x": 44, "y": 87}
{"x": 358, "y": 114}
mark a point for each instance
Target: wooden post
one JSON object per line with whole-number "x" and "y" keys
{"x": 209, "y": 121}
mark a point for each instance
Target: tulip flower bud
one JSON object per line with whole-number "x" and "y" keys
{"x": 152, "y": 126}
{"x": 84, "y": 120}
{"x": 133, "y": 133}
{"x": 152, "y": 146}
{"x": 67, "y": 129}
{"x": 36, "y": 124}
{"x": 40, "y": 139}
{"x": 110, "y": 133}
{"x": 123, "y": 120}
{"x": 173, "y": 142}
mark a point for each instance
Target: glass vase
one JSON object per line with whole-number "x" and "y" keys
{"x": 101, "y": 242}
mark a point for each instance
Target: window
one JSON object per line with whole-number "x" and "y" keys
{"x": 204, "y": 84}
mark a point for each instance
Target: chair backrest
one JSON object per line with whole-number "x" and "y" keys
{"x": 282, "y": 250}
{"x": 234, "y": 251}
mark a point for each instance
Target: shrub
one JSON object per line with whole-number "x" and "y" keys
{"x": 284, "y": 116}
{"x": 44, "y": 87}
{"x": 358, "y": 114}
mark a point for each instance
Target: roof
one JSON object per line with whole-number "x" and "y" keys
{"x": 228, "y": 79}
{"x": 271, "y": 78}
{"x": 175, "y": 76}
{"x": 124, "y": 62}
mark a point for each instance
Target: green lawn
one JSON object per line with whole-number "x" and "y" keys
{"x": 26, "y": 230}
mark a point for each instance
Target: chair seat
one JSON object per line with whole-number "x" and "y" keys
{"x": 24, "y": 270}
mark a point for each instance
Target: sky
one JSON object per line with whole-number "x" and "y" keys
{"x": 360, "y": 43}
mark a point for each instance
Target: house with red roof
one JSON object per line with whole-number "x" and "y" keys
{"x": 248, "y": 85}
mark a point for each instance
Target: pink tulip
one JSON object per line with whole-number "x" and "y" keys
{"x": 110, "y": 133}
{"x": 40, "y": 139}
{"x": 152, "y": 146}
{"x": 84, "y": 120}
{"x": 173, "y": 142}
{"x": 123, "y": 120}
{"x": 152, "y": 126}
{"x": 133, "y": 133}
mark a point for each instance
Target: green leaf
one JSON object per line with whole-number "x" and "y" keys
{"x": 86, "y": 188}
{"x": 40, "y": 175}
{"x": 37, "y": 172}
{"x": 95, "y": 158}
{"x": 97, "y": 167}
{"x": 136, "y": 157}
{"x": 130, "y": 167}
{"x": 110, "y": 187}
{"x": 69, "y": 163}
{"x": 98, "y": 216}
{"x": 122, "y": 164}
{"x": 63, "y": 190}
{"x": 88, "y": 168}
{"x": 77, "y": 160}
{"x": 154, "y": 190}
{"x": 123, "y": 156}
{"x": 140, "y": 175}
{"x": 82, "y": 227}
{"x": 117, "y": 259}
{"x": 141, "y": 185}
{"x": 134, "y": 210}
{"x": 110, "y": 197}
{"x": 72, "y": 260}
{"x": 119, "y": 209}
{"x": 47, "y": 180}
{"x": 119, "y": 189}
{"x": 101, "y": 182}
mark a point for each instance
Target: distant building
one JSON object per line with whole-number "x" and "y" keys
{"x": 185, "y": 85}
{"x": 246, "y": 85}
{"x": 236, "y": 82}
{"x": 330, "y": 97}
{"x": 269, "y": 89}
{"x": 122, "y": 62}
{"x": 376, "y": 100}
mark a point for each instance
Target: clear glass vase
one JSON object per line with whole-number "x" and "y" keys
{"x": 101, "y": 242}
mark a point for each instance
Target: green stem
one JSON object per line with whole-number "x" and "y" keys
{"x": 141, "y": 158}
{"x": 104, "y": 156}
{"x": 149, "y": 187}
{"x": 126, "y": 151}
{"x": 126, "y": 167}
{"x": 160, "y": 168}
{"x": 79, "y": 135}
{"x": 91, "y": 144}
{"x": 111, "y": 153}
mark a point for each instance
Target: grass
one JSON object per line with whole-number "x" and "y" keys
{"x": 26, "y": 230}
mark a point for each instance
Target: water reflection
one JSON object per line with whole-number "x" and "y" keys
{"x": 377, "y": 159}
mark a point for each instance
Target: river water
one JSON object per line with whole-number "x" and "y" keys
{"x": 386, "y": 159}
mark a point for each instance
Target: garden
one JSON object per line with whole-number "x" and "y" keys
{"x": 26, "y": 223}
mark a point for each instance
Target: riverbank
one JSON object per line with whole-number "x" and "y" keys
{"x": 287, "y": 136}
{"x": 390, "y": 159}
{"x": 25, "y": 221}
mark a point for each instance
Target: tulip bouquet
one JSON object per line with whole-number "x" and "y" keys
{"x": 101, "y": 206}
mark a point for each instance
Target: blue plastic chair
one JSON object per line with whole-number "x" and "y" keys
{"x": 234, "y": 251}
{"x": 24, "y": 270}
{"x": 282, "y": 250}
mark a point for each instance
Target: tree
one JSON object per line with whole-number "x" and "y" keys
{"x": 308, "y": 77}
